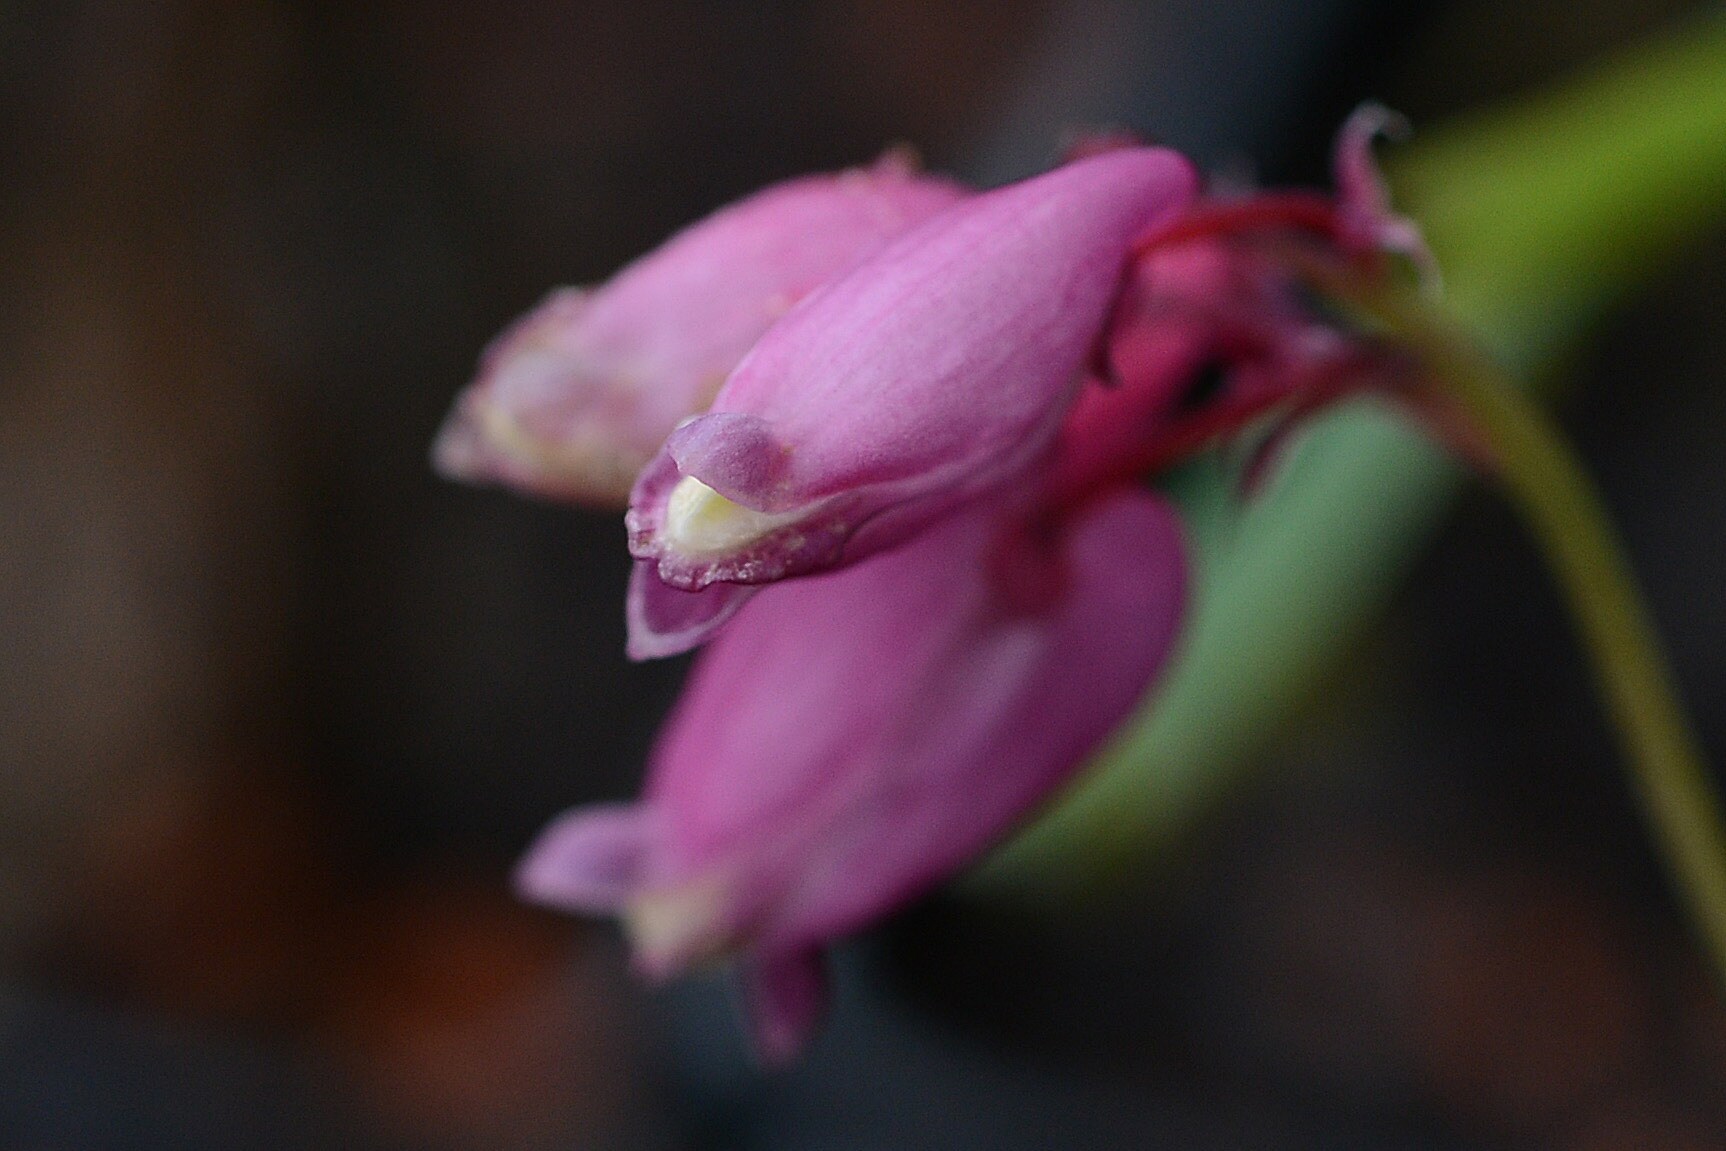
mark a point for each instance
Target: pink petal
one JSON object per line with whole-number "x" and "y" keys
{"x": 665, "y": 621}
{"x": 852, "y": 739}
{"x": 931, "y": 372}
{"x": 589, "y": 860}
{"x": 1364, "y": 214}
{"x": 580, "y": 393}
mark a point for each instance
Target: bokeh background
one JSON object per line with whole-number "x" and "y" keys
{"x": 278, "y": 708}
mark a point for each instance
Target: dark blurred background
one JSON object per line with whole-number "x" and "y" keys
{"x": 278, "y": 708}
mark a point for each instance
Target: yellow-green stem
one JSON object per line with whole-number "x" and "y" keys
{"x": 1549, "y": 488}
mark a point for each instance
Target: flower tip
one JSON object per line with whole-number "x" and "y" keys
{"x": 665, "y": 620}
{"x": 483, "y": 442}
{"x": 1372, "y": 119}
{"x": 589, "y": 860}
{"x": 671, "y": 929}
{"x": 699, "y": 522}
{"x": 458, "y": 451}
{"x": 544, "y": 416}
{"x": 1367, "y": 222}
{"x": 735, "y": 453}
{"x": 711, "y": 505}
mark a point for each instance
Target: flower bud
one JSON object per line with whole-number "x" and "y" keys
{"x": 931, "y": 372}
{"x": 854, "y": 738}
{"x": 579, "y": 394}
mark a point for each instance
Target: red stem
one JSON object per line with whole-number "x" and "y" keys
{"x": 1302, "y": 211}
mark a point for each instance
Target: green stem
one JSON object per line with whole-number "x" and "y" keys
{"x": 1546, "y": 483}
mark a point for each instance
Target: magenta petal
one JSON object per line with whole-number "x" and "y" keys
{"x": 854, "y": 738}
{"x": 785, "y": 994}
{"x": 545, "y": 414}
{"x": 1110, "y": 426}
{"x": 735, "y": 454}
{"x": 589, "y": 860}
{"x": 578, "y": 395}
{"x": 665, "y": 621}
{"x": 933, "y": 371}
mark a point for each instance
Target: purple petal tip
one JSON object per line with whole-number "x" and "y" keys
{"x": 666, "y": 621}
{"x": 589, "y": 860}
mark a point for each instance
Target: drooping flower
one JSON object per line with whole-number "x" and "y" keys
{"x": 932, "y": 372}
{"x": 947, "y": 447}
{"x": 853, "y": 738}
{"x": 574, "y": 398}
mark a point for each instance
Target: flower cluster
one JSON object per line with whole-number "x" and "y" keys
{"x": 888, "y": 440}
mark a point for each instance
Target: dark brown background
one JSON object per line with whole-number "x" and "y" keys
{"x": 278, "y": 708}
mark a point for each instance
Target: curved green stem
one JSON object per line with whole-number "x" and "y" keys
{"x": 1549, "y": 488}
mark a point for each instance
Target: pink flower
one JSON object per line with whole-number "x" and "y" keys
{"x": 947, "y": 445}
{"x": 933, "y": 371}
{"x": 580, "y": 393}
{"x": 854, "y": 738}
